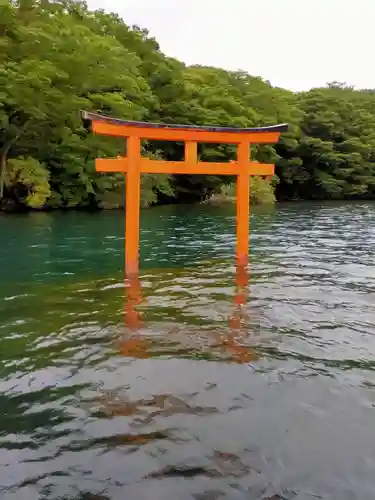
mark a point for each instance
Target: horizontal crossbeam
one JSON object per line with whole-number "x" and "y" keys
{"x": 180, "y": 134}
{"x": 180, "y": 167}
{"x": 89, "y": 117}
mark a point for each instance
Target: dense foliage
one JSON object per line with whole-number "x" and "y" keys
{"x": 57, "y": 57}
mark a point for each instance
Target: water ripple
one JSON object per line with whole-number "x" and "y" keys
{"x": 199, "y": 392}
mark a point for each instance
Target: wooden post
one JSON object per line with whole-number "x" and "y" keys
{"x": 243, "y": 204}
{"x": 191, "y": 155}
{"x": 132, "y": 206}
{"x": 133, "y": 297}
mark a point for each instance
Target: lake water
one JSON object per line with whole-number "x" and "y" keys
{"x": 185, "y": 385}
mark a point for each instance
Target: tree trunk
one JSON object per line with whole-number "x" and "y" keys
{"x": 3, "y": 161}
{"x": 4, "y": 151}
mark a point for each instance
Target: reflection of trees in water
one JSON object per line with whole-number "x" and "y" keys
{"x": 220, "y": 465}
{"x": 146, "y": 415}
{"x": 92, "y": 496}
{"x": 144, "y": 411}
{"x": 181, "y": 233}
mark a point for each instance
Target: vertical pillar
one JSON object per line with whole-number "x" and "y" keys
{"x": 133, "y": 188}
{"x": 243, "y": 204}
{"x": 240, "y": 297}
{"x": 133, "y": 297}
{"x": 133, "y": 344}
{"x": 191, "y": 155}
{"x": 242, "y": 283}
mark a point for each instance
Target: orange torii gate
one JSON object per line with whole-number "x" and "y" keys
{"x": 134, "y": 165}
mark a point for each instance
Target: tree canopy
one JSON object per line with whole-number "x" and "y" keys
{"x": 58, "y": 57}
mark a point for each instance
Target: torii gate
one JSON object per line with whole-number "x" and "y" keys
{"x": 134, "y": 165}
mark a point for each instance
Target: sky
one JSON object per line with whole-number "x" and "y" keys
{"x": 295, "y": 44}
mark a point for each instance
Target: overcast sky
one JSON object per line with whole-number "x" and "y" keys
{"x": 296, "y": 44}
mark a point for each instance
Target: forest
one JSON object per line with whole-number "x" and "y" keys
{"x": 58, "y": 57}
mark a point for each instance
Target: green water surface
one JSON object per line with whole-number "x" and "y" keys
{"x": 188, "y": 404}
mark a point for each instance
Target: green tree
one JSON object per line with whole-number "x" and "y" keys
{"x": 45, "y": 81}
{"x": 58, "y": 57}
{"x": 333, "y": 156}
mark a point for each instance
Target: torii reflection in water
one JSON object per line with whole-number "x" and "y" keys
{"x": 138, "y": 346}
